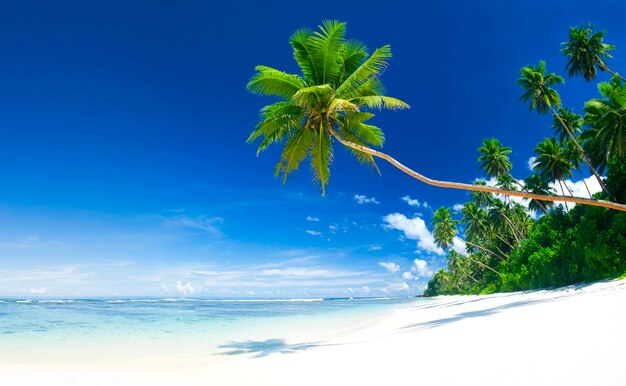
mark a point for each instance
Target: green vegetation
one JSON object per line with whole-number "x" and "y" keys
{"x": 339, "y": 81}
{"x": 506, "y": 248}
{"x": 562, "y": 247}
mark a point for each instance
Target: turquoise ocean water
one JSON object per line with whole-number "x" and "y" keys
{"x": 44, "y": 330}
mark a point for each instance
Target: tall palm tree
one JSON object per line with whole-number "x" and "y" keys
{"x": 537, "y": 184}
{"x": 445, "y": 230}
{"x": 574, "y": 122}
{"x": 543, "y": 98}
{"x": 607, "y": 118}
{"x": 339, "y": 81}
{"x": 552, "y": 162}
{"x": 586, "y": 50}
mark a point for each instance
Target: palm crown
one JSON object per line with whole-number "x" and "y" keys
{"x": 339, "y": 80}
{"x": 537, "y": 88}
{"x": 586, "y": 50}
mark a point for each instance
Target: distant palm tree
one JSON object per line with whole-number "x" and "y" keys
{"x": 607, "y": 118}
{"x": 537, "y": 184}
{"x": 494, "y": 159}
{"x": 339, "y": 81}
{"x": 586, "y": 50}
{"x": 445, "y": 230}
{"x": 552, "y": 162}
{"x": 477, "y": 227}
{"x": 482, "y": 199}
{"x": 574, "y": 122}
{"x": 543, "y": 98}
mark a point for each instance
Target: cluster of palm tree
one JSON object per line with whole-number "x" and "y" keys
{"x": 340, "y": 82}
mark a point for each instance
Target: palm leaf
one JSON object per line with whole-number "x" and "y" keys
{"x": 380, "y": 102}
{"x": 296, "y": 150}
{"x": 372, "y": 67}
{"x": 303, "y": 54}
{"x": 354, "y": 53}
{"x": 313, "y": 96}
{"x": 326, "y": 48}
{"x": 321, "y": 156}
{"x": 269, "y": 81}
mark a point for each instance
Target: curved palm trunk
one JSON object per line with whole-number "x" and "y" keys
{"x": 607, "y": 69}
{"x": 481, "y": 248}
{"x": 580, "y": 149}
{"x": 582, "y": 178}
{"x": 478, "y": 262}
{"x": 514, "y": 229}
{"x": 563, "y": 190}
{"x": 473, "y": 188}
{"x": 503, "y": 240}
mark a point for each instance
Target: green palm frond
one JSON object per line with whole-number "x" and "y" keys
{"x": 380, "y": 102}
{"x": 326, "y": 46}
{"x": 372, "y": 86}
{"x": 363, "y": 158}
{"x": 342, "y": 105}
{"x": 354, "y": 54}
{"x": 321, "y": 157}
{"x": 295, "y": 151}
{"x": 369, "y": 134}
{"x": 372, "y": 67}
{"x": 316, "y": 97}
{"x": 268, "y": 81}
{"x": 303, "y": 54}
{"x": 276, "y": 115}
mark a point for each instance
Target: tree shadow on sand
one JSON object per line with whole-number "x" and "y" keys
{"x": 475, "y": 314}
{"x": 266, "y": 347}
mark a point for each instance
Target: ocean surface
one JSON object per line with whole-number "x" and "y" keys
{"x": 41, "y": 330}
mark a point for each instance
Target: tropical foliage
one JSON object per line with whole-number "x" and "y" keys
{"x": 507, "y": 245}
{"x": 328, "y": 102}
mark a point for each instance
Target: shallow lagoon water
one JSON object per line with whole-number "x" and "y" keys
{"x": 34, "y": 330}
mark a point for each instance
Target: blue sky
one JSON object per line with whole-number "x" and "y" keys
{"x": 125, "y": 169}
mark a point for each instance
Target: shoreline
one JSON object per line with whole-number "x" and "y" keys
{"x": 574, "y": 335}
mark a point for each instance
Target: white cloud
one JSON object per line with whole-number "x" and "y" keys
{"x": 531, "y": 163}
{"x": 313, "y": 233}
{"x": 365, "y": 289}
{"x": 391, "y": 267}
{"x": 396, "y": 287}
{"x": 185, "y": 289}
{"x": 458, "y": 246}
{"x": 457, "y": 207}
{"x": 420, "y": 267}
{"x": 414, "y": 229}
{"x": 374, "y": 248}
{"x": 312, "y": 219}
{"x": 414, "y": 202}
{"x": 408, "y": 276}
{"x": 164, "y": 288}
{"x": 361, "y": 199}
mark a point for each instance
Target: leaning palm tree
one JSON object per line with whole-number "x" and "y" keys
{"x": 339, "y": 81}
{"x": 543, "y": 98}
{"x": 552, "y": 162}
{"x": 573, "y": 122}
{"x": 586, "y": 50}
{"x": 445, "y": 231}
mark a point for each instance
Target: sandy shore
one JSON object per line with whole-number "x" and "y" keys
{"x": 571, "y": 336}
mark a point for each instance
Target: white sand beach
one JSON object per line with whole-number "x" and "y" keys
{"x": 570, "y": 336}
